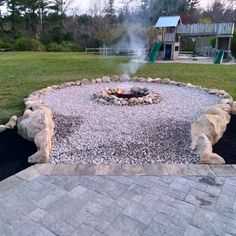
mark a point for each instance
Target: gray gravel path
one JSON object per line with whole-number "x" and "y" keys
{"x": 88, "y": 132}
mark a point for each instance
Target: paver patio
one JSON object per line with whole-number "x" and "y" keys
{"x": 111, "y": 200}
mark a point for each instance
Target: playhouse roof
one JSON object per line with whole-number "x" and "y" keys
{"x": 168, "y": 21}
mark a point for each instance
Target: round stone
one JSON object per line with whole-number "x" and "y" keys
{"x": 127, "y": 97}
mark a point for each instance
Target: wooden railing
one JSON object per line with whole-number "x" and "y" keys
{"x": 206, "y": 29}
{"x": 169, "y": 37}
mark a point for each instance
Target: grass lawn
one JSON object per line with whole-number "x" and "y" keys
{"x": 24, "y": 72}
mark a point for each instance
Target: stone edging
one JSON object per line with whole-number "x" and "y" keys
{"x": 37, "y": 122}
{"x": 48, "y": 169}
{"x": 209, "y": 128}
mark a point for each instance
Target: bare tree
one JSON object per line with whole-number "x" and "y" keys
{"x": 96, "y": 7}
{"x": 220, "y": 11}
{"x": 126, "y": 5}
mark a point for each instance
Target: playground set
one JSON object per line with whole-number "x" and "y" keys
{"x": 171, "y": 29}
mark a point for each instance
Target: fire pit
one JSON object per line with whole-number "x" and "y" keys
{"x": 127, "y": 96}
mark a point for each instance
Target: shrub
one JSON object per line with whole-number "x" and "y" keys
{"x": 71, "y": 46}
{"x": 213, "y": 42}
{"x": 63, "y": 47}
{"x": 233, "y": 45}
{"x": 56, "y": 47}
{"x": 28, "y": 44}
{"x": 5, "y": 44}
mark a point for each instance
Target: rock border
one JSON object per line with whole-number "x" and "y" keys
{"x": 109, "y": 97}
{"x": 37, "y": 122}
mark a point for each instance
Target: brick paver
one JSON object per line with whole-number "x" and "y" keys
{"x": 33, "y": 203}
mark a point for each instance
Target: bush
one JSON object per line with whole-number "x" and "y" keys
{"x": 28, "y": 44}
{"x": 5, "y": 44}
{"x": 56, "y": 47}
{"x": 72, "y": 46}
{"x": 63, "y": 47}
{"x": 233, "y": 45}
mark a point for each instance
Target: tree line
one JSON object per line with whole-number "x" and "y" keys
{"x": 57, "y": 22}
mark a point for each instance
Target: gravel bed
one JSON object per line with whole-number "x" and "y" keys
{"x": 89, "y": 132}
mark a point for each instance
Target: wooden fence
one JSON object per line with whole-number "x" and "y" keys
{"x": 116, "y": 51}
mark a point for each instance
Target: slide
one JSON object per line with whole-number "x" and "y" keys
{"x": 219, "y": 57}
{"x": 153, "y": 53}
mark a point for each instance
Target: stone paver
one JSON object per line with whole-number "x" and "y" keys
{"x": 148, "y": 200}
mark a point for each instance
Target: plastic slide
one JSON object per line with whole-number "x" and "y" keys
{"x": 219, "y": 57}
{"x": 153, "y": 53}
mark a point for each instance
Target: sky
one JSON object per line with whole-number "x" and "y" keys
{"x": 84, "y": 5}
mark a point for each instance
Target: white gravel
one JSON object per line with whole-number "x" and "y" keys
{"x": 88, "y": 132}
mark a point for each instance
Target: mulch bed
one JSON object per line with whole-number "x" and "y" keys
{"x": 226, "y": 147}
{"x": 14, "y": 153}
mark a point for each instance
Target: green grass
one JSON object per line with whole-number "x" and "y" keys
{"x": 24, "y": 72}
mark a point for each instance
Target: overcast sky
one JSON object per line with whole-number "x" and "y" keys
{"x": 84, "y": 5}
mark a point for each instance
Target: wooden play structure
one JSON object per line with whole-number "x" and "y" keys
{"x": 171, "y": 29}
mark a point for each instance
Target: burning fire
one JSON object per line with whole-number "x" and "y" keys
{"x": 123, "y": 91}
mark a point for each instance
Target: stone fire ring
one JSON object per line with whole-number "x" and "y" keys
{"x": 37, "y": 123}
{"x": 127, "y": 97}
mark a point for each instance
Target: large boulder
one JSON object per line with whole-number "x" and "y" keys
{"x": 225, "y": 107}
{"x": 29, "y": 126}
{"x": 2, "y": 128}
{"x": 38, "y": 157}
{"x": 202, "y": 144}
{"x": 233, "y": 112}
{"x": 213, "y": 126}
{"x": 43, "y": 142}
{"x": 33, "y": 105}
{"x": 211, "y": 158}
{"x": 214, "y": 110}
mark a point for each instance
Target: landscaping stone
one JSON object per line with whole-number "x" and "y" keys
{"x": 11, "y": 124}
{"x": 218, "y": 111}
{"x": 115, "y": 78}
{"x": 124, "y": 78}
{"x": 106, "y": 79}
{"x": 165, "y": 81}
{"x": 149, "y": 80}
{"x": 233, "y": 112}
{"x": 225, "y": 107}
{"x": 98, "y": 80}
{"x": 213, "y": 126}
{"x": 84, "y": 82}
{"x": 226, "y": 101}
{"x": 2, "y": 128}
{"x": 131, "y": 96}
{"x": 43, "y": 141}
{"x": 27, "y": 112}
{"x": 211, "y": 158}
{"x": 202, "y": 144}
{"x": 29, "y": 126}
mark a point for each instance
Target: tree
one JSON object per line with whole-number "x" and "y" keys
{"x": 219, "y": 12}
{"x": 13, "y": 7}
{"x": 2, "y": 2}
{"x": 110, "y": 12}
{"x": 126, "y": 6}
{"x": 31, "y": 10}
